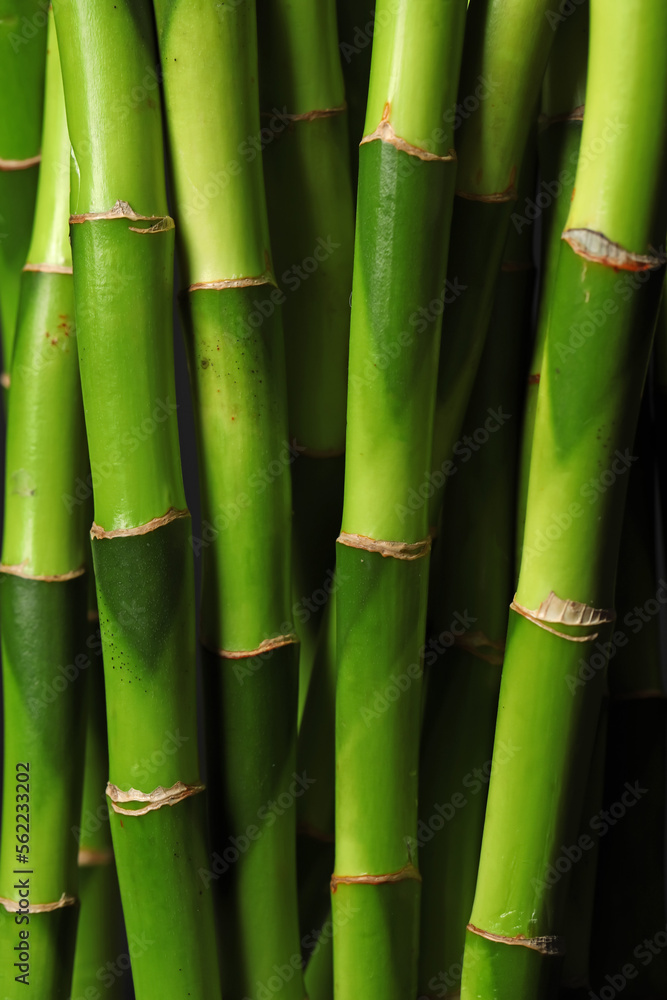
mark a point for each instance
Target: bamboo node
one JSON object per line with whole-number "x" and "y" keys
{"x": 555, "y": 610}
{"x": 395, "y": 550}
{"x": 576, "y": 115}
{"x": 31, "y": 161}
{"x": 12, "y": 906}
{"x": 50, "y": 268}
{"x": 156, "y": 799}
{"x": 21, "y": 571}
{"x": 89, "y": 857}
{"x": 221, "y": 284}
{"x": 546, "y": 944}
{"x": 385, "y": 132}
{"x": 594, "y": 246}
{"x": 265, "y": 646}
{"x": 409, "y": 872}
{"x": 123, "y": 210}
{"x": 5, "y": 380}
{"x": 478, "y": 644}
{"x": 173, "y": 514}
{"x": 307, "y": 116}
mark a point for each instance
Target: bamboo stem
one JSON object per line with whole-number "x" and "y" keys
{"x": 236, "y": 356}
{"x": 586, "y": 418}
{"x": 122, "y": 245}
{"x": 42, "y": 596}
{"x": 406, "y": 185}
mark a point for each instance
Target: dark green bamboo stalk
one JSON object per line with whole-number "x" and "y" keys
{"x": 99, "y": 934}
{"x": 473, "y": 577}
{"x": 122, "y": 244}
{"x": 630, "y": 903}
{"x": 505, "y": 54}
{"x": 356, "y": 26}
{"x": 563, "y": 96}
{"x": 406, "y": 185}
{"x": 311, "y": 218}
{"x": 42, "y": 599}
{"x": 22, "y": 54}
{"x": 235, "y": 343}
{"x": 597, "y": 349}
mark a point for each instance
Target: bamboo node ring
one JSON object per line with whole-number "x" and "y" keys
{"x": 546, "y": 944}
{"x": 408, "y": 872}
{"x": 12, "y": 906}
{"x": 555, "y": 610}
{"x": 395, "y": 550}
{"x": 156, "y": 799}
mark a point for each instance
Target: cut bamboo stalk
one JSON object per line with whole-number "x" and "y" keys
{"x": 406, "y": 185}
{"x": 608, "y": 283}
{"x": 122, "y": 246}
{"x": 22, "y": 55}
{"x": 236, "y": 356}
{"x": 43, "y": 599}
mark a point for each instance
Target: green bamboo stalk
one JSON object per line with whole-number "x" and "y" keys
{"x": 311, "y": 219}
{"x": 235, "y": 344}
{"x": 122, "y": 245}
{"x": 99, "y": 934}
{"x": 22, "y": 56}
{"x": 608, "y": 280}
{"x": 42, "y": 598}
{"x": 406, "y": 186}
{"x": 563, "y": 96}
{"x": 506, "y": 49}
{"x": 473, "y": 574}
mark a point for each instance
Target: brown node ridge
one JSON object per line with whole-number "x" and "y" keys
{"x": 556, "y": 610}
{"x": 12, "y": 906}
{"x": 156, "y": 799}
{"x": 31, "y": 161}
{"x": 394, "y": 550}
{"x": 141, "y": 529}
{"x": 546, "y": 944}
{"x": 596, "y": 247}
{"x": 409, "y": 872}
{"x": 276, "y": 642}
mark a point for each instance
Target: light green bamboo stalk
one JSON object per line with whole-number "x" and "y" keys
{"x": 22, "y": 54}
{"x": 560, "y": 123}
{"x": 122, "y": 245}
{"x": 507, "y": 44}
{"x": 406, "y": 185}
{"x": 42, "y": 598}
{"x": 235, "y": 344}
{"x": 598, "y": 343}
